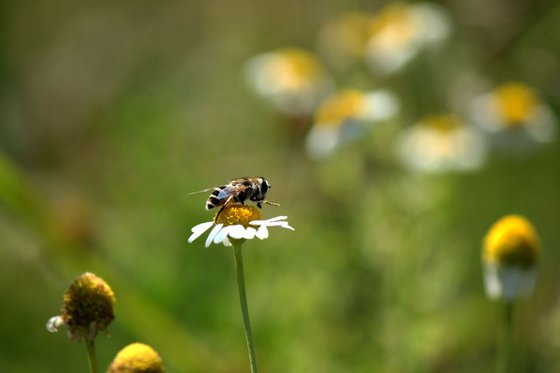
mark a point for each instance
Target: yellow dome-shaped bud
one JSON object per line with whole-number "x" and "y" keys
{"x": 511, "y": 241}
{"x": 137, "y": 358}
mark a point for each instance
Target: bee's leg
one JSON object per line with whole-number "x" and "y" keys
{"x": 271, "y": 203}
{"x": 219, "y": 212}
{"x": 259, "y": 205}
{"x": 222, "y": 208}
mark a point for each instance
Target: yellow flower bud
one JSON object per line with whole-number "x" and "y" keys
{"x": 510, "y": 253}
{"x": 512, "y": 241}
{"x": 137, "y": 358}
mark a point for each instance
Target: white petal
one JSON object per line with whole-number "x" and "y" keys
{"x": 222, "y": 235}
{"x": 262, "y": 232}
{"x": 237, "y": 232}
{"x": 322, "y": 140}
{"x": 249, "y": 233}
{"x": 54, "y": 323}
{"x": 287, "y": 226}
{"x": 226, "y": 242}
{"x": 199, "y": 229}
{"x": 275, "y": 224}
{"x": 213, "y": 234}
{"x": 261, "y": 222}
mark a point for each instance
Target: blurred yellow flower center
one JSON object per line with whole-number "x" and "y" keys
{"x": 516, "y": 103}
{"x": 295, "y": 68}
{"x": 346, "y": 104}
{"x": 443, "y": 123}
{"x": 352, "y": 32}
{"x": 513, "y": 241}
{"x": 234, "y": 213}
{"x": 394, "y": 25}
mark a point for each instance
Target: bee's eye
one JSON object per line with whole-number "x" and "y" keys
{"x": 264, "y": 187}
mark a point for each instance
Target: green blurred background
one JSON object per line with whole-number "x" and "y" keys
{"x": 112, "y": 112}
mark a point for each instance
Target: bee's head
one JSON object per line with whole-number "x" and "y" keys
{"x": 265, "y": 185}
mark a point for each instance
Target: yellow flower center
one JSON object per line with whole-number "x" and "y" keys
{"x": 295, "y": 68}
{"x": 516, "y": 103}
{"x": 351, "y": 33}
{"x": 234, "y": 213}
{"x": 347, "y": 104}
{"x": 512, "y": 241}
{"x": 394, "y": 25}
{"x": 442, "y": 123}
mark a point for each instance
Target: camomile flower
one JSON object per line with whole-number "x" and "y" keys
{"x": 345, "y": 116}
{"x": 232, "y": 226}
{"x": 514, "y": 116}
{"x": 292, "y": 79}
{"x": 237, "y": 222}
{"x": 509, "y": 256}
{"x": 344, "y": 39}
{"x": 399, "y": 31}
{"x": 441, "y": 143}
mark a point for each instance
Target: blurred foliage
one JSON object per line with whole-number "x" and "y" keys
{"x": 111, "y": 112}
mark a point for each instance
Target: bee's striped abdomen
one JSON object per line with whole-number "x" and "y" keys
{"x": 213, "y": 200}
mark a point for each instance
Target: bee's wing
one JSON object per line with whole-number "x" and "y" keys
{"x": 203, "y": 191}
{"x": 230, "y": 190}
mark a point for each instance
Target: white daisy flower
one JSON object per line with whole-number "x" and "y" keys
{"x": 400, "y": 31}
{"x": 345, "y": 116}
{"x": 237, "y": 222}
{"x": 292, "y": 79}
{"x": 515, "y": 117}
{"x": 442, "y": 143}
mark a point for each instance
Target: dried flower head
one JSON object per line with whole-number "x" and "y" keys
{"x": 137, "y": 358}
{"x": 510, "y": 254}
{"x": 87, "y": 308}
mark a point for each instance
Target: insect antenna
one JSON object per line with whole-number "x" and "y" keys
{"x": 202, "y": 191}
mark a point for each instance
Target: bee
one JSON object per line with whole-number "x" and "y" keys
{"x": 238, "y": 190}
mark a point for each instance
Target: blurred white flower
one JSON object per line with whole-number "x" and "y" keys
{"x": 399, "y": 31}
{"x": 346, "y": 116}
{"x": 514, "y": 116}
{"x": 237, "y": 222}
{"x": 292, "y": 79}
{"x": 442, "y": 143}
{"x": 509, "y": 257}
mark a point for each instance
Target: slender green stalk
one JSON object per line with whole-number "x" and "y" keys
{"x": 91, "y": 356}
{"x": 506, "y": 358}
{"x": 238, "y": 257}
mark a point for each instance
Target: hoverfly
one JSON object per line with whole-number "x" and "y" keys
{"x": 238, "y": 190}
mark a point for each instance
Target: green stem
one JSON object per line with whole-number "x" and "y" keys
{"x": 506, "y": 359}
{"x": 238, "y": 257}
{"x": 91, "y": 356}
